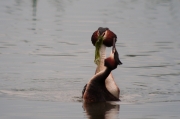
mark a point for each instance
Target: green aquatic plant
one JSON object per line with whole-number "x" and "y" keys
{"x": 98, "y": 46}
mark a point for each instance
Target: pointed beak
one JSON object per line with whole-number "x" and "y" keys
{"x": 116, "y": 55}
{"x": 120, "y": 63}
{"x": 114, "y": 46}
{"x": 101, "y": 31}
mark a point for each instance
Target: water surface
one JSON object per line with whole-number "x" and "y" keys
{"x": 46, "y": 56}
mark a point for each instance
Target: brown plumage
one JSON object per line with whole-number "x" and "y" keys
{"x": 109, "y": 38}
{"x": 96, "y": 90}
{"x": 107, "y": 34}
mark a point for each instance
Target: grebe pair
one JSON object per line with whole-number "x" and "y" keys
{"x": 102, "y": 86}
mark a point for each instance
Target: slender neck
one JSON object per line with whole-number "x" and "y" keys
{"x": 101, "y": 76}
{"x": 105, "y": 73}
{"x": 102, "y": 52}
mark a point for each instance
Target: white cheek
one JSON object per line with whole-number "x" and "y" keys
{"x": 105, "y": 35}
{"x": 111, "y": 55}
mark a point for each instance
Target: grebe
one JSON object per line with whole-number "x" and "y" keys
{"x": 96, "y": 90}
{"x": 101, "y": 39}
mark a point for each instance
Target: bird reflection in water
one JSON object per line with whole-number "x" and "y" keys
{"x": 101, "y": 110}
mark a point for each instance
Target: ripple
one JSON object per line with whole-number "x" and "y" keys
{"x": 151, "y": 66}
{"x": 82, "y": 52}
{"x": 45, "y": 95}
{"x": 47, "y": 47}
{"x": 3, "y": 47}
{"x": 77, "y": 99}
{"x": 164, "y": 42}
{"x": 68, "y": 43}
{"x": 23, "y": 90}
{"x": 151, "y": 51}
{"x": 25, "y": 41}
{"x": 166, "y": 47}
{"x": 136, "y": 55}
{"x": 160, "y": 92}
{"x": 120, "y": 45}
{"x": 56, "y": 55}
{"x": 170, "y": 101}
{"x": 140, "y": 84}
{"x": 9, "y": 45}
{"x": 170, "y": 74}
{"x": 160, "y": 75}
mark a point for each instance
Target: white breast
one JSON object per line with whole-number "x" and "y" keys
{"x": 110, "y": 83}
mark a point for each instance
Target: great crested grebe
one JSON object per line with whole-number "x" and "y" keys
{"x": 101, "y": 39}
{"x": 96, "y": 90}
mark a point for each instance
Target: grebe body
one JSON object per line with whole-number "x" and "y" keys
{"x": 96, "y": 90}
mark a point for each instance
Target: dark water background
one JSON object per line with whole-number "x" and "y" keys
{"x": 46, "y": 57}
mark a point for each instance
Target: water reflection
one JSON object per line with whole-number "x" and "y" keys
{"x": 34, "y": 5}
{"x": 103, "y": 110}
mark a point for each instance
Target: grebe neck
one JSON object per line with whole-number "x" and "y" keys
{"x": 102, "y": 52}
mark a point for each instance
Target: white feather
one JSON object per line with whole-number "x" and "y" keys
{"x": 110, "y": 83}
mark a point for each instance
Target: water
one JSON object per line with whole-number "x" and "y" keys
{"x": 46, "y": 57}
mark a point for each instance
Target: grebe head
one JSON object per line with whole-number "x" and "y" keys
{"x": 104, "y": 33}
{"x": 113, "y": 60}
{"x": 100, "y": 37}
